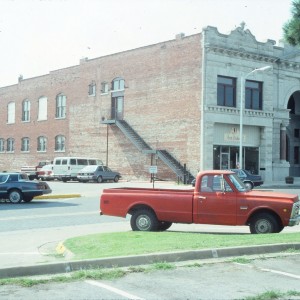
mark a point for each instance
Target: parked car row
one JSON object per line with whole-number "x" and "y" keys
{"x": 94, "y": 173}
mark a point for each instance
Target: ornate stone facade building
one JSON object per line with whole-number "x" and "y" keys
{"x": 175, "y": 104}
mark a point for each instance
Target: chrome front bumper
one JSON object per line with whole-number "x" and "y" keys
{"x": 295, "y": 215}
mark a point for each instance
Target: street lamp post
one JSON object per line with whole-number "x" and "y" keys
{"x": 243, "y": 80}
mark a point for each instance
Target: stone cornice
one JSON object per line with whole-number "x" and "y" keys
{"x": 243, "y": 54}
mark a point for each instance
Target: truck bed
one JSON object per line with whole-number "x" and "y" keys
{"x": 174, "y": 205}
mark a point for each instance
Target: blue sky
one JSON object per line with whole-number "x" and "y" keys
{"x": 37, "y": 36}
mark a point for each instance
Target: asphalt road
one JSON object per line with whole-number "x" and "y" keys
{"x": 28, "y": 229}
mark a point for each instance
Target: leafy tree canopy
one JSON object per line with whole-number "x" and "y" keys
{"x": 291, "y": 29}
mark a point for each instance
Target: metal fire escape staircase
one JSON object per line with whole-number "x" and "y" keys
{"x": 181, "y": 172}
{"x": 133, "y": 136}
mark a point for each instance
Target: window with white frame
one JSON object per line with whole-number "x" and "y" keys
{"x": 118, "y": 84}
{"x": 104, "y": 87}
{"x": 26, "y": 110}
{"x": 2, "y": 142}
{"x": 11, "y": 111}
{"x": 41, "y": 144}
{"x": 60, "y": 106}
{"x": 10, "y": 145}
{"x": 60, "y": 143}
{"x": 42, "y": 113}
{"x": 92, "y": 89}
{"x": 25, "y": 144}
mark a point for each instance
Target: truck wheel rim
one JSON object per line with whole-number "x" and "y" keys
{"x": 143, "y": 222}
{"x": 263, "y": 226}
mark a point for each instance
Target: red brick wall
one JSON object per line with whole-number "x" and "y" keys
{"x": 161, "y": 102}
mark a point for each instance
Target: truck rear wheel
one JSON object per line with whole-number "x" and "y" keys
{"x": 144, "y": 220}
{"x": 264, "y": 223}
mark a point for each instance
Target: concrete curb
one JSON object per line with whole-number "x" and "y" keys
{"x": 125, "y": 261}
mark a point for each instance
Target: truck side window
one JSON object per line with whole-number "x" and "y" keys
{"x": 205, "y": 182}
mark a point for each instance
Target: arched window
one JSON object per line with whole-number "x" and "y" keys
{"x": 25, "y": 144}
{"x": 10, "y": 145}
{"x": 118, "y": 84}
{"x": 60, "y": 143}
{"x": 26, "y": 110}
{"x": 42, "y": 144}
{"x": 60, "y": 106}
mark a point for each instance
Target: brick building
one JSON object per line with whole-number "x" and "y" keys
{"x": 172, "y": 104}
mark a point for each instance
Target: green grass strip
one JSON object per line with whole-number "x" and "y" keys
{"x": 133, "y": 243}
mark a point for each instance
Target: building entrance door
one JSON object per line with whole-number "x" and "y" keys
{"x": 225, "y": 161}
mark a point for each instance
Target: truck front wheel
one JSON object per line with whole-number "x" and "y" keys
{"x": 264, "y": 223}
{"x": 144, "y": 220}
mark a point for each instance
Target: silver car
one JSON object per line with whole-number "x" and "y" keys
{"x": 97, "y": 174}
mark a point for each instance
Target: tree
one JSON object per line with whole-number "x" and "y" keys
{"x": 291, "y": 29}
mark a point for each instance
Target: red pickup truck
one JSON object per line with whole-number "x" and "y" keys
{"x": 219, "y": 198}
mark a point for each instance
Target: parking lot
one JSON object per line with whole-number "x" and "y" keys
{"x": 233, "y": 279}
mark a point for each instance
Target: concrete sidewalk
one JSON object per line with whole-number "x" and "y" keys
{"x": 281, "y": 185}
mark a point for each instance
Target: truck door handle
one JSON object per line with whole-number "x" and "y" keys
{"x": 201, "y": 197}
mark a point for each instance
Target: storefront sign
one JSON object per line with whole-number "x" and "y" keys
{"x": 233, "y": 135}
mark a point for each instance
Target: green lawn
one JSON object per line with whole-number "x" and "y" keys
{"x": 133, "y": 242}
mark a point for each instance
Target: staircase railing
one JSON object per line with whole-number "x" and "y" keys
{"x": 134, "y": 137}
{"x": 180, "y": 170}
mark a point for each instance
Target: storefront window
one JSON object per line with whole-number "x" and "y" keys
{"x": 227, "y": 157}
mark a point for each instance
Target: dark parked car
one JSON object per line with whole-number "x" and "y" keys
{"x": 97, "y": 174}
{"x": 17, "y": 187}
{"x": 250, "y": 180}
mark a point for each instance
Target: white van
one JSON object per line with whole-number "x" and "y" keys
{"x": 66, "y": 168}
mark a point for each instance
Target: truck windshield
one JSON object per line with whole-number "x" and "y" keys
{"x": 239, "y": 185}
